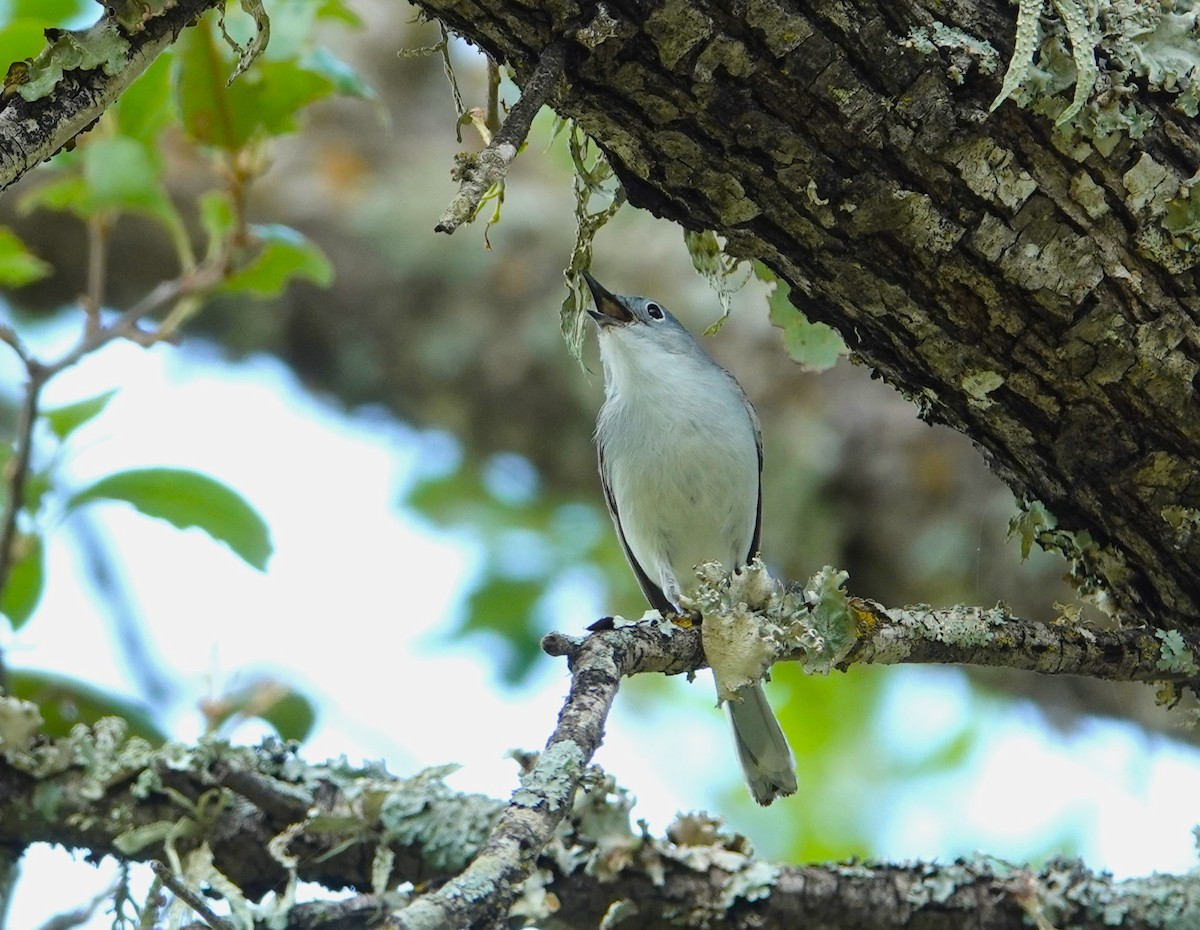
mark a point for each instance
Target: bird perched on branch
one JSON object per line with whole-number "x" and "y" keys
{"x": 681, "y": 463}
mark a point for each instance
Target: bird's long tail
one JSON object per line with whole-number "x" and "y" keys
{"x": 761, "y": 746}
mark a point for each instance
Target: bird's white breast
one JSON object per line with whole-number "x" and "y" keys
{"x": 681, "y": 460}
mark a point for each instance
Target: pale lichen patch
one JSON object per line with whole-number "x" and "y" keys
{"x": 978, "y": 384}
{"x": 1089, "y": 195}
{"x": 1149, "y": 184}
{"x": 676, "y": 27}
{"x": 1176, "y": 657}
{"x": 959, "y": 44}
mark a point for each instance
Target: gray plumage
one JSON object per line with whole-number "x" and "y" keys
{"x": 680, "y": 460}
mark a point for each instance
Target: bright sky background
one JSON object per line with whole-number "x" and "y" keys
{"x": 358, "y": 590}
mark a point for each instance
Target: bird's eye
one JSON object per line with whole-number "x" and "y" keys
{"x": 654, "y": 310}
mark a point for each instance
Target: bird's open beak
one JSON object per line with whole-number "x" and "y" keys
{"x": 609, "y": 310}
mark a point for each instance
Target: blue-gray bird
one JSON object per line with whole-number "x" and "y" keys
{"x": 681, "y": 463}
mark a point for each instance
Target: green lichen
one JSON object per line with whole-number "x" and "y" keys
{"x": 959, "y": 626}
{"x": 1033, "y": 520}
{"x": 1167, "y": 213}
{"x": 103, "y": 46}
{"x": 1181, "y": 218}
{"x": 676, "y": 27}
{"x": 413, "y": 811}
{"x": 19, "y": 721}
{"x": 1176, "y": 657}
{"x": 1095, "y": 569}
{"x": 1149, "y": 183}
{"x": 993, "y": 172}
{"x": 1028, "y": 14}
{"x": 1184, "y": 521}
{"x": 751, "y": 621}
{"x": 978, "y": 384}
{"x": 1115, "y": 45}
{"x": 1089, "y": 195}
{"x": 831, "y": 620}
{"x": 557, "y": 768}
{"x": 941, "y": 36}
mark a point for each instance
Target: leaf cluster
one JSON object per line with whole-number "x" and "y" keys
{"x": 222, "y": 95}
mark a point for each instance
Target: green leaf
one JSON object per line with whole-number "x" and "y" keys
{"x": 815, "y": 346}
{"x": 146, "y": 108}
{"x": 344, "y": 79}
{"x": 505, "y": 606}
{"x": 19, "y": 266}
{"x": 287, "y": 710}
{"x": 51, "y": 12}
{"x": 338, "y": 10}
{"x": 67, "y": 193}
{"x": 263, "y": 101}
{"x": 63, "y": 421}
{"x": 186, "y": 499}
{"x": 285, "y": 254}
{"x": 123, "y": 174}
{"x": 26, "y": 581}
{"x": 64, "y": 702}
{"x": 292, "y": 715}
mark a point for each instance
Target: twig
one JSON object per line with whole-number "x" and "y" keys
{"x": 126, "y": 325}
{"x": 982, "y": 637}
{"x": 18, "y": 472}
{"x": 190, "y": 898}
{"x": 492, "y": 163}
{"x": 97, "y": 266}
{"x": 481, "y": 894}
{"x": 492, "y": 121}
{"x": 33, "y": 131}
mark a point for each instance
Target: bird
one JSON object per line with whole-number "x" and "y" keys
{"x": 680, "y": 457}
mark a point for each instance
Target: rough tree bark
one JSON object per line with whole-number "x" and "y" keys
{"x": 1017, "y": 283}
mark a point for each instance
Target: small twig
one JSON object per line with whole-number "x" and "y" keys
{"x": 97, "y": 267}
{"x": 481, "y": 894}
{"x": 492, "y": 121}
{"x": 492, "y": 163}
{"x": 126, "y": 326}
{"x": 190, "y": 898}
{"x": 18, "y": 472}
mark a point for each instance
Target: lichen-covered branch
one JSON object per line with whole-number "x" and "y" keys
{"x": 47, "y": 102}
{"x": 751, "y": 622}
{"x": 258, "y": 819}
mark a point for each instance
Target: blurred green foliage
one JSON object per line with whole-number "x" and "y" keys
{"x": 118, "y": 168}
{"x": 529, "y": 540}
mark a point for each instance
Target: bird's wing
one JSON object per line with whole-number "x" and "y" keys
{"x": 755, "y": 538}
{"x": 653, "y": 592}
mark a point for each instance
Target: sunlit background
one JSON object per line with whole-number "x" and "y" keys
{"x": 418, "y": 440}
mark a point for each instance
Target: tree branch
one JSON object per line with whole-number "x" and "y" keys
{"x": 479, "y": 172}
{"x": 820, "y": 626}
{"x": 32, "y": 130}
{"x": 266, "y": 815}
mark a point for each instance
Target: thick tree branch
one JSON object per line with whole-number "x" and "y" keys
{"x": 264, "y": 815}
{"x": 33, "y": 130}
